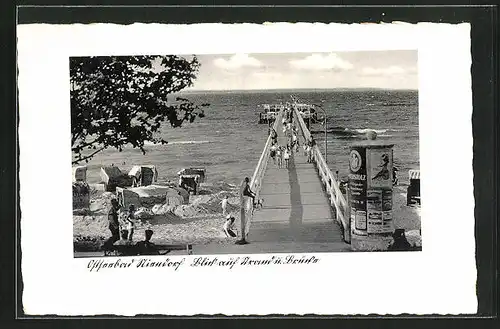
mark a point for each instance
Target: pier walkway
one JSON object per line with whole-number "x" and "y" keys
{"x": 303, "y": 209}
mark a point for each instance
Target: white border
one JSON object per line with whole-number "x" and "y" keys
{"x": 439, "y": 280}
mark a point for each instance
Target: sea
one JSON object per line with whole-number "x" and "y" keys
{"x": 228, "y": 141}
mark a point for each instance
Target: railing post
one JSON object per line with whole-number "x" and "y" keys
{"x": 242, "y": 217}
{"x": 347, "y": 230}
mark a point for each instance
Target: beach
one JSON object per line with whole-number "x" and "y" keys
{"x": 199, "y": 223}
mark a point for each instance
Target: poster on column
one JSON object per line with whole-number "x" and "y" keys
{"x": 357, "y": 186}
{"x": 379, "y": 169}
{"x": 374, "y": 211}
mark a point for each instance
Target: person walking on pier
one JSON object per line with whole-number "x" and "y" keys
{"x": 272, "y": 153}
{"x": 286, "y": 156}
{"x": 274, "y": 136}
{"x": 309, "y": 152}
{"x": 294, "y": 141}
{"x": 279, "y": 154}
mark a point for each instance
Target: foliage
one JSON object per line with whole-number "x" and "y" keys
{"x": 119, "y": 101}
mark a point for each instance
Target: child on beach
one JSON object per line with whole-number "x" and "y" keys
{"x": 229, "y": 227}
{"x": 130, "y": 221}
{"x": 223, "y": 203}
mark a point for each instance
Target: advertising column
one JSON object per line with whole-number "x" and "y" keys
{"x": 370, "y": 199}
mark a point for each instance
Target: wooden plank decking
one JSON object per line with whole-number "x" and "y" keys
{"x": 296, "y": 214}
{"x": 296, "y": 208}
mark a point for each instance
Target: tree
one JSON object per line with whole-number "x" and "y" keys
{"x": 119, "y": 101}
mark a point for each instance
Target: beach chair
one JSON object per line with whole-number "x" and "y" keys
{"x": 413, "y": 191}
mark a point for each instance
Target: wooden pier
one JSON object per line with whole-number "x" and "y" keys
{"x": 303, "y": 209}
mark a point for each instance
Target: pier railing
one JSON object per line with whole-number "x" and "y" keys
{"x": 329, "y": 181}
{"x": 256, "y": 183}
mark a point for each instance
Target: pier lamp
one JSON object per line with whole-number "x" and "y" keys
{"x": 326, "y": 128}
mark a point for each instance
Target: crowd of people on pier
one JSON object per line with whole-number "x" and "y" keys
{"x": 280, "y": 154}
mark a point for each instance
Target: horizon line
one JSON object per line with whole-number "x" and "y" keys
{"x": 273, "y": 89}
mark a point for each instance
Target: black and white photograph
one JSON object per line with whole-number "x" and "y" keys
{"x": 217, "y": 161}
{"x": 245, "y": 153}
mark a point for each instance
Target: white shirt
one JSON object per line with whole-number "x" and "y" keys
{"x": 224, "y": 203}
{"x": 286, "y": 154}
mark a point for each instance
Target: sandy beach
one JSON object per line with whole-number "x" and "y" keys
{"x": 199, "y": 223}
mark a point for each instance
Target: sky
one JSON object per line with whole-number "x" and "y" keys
{"x": 368, "y": 69}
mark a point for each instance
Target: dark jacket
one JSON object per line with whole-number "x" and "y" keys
{"x": 113, "y": 218}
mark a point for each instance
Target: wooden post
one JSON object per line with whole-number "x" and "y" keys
{"x": 242, "y": 216}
